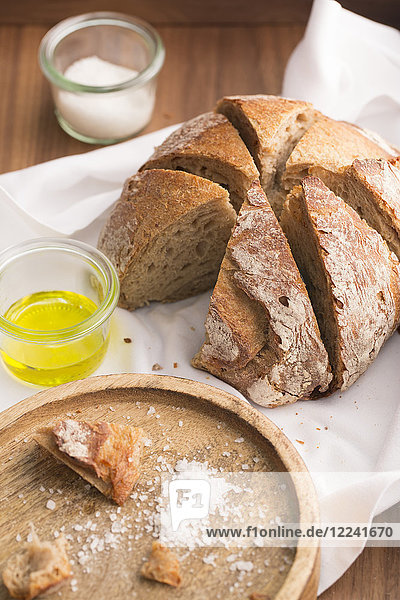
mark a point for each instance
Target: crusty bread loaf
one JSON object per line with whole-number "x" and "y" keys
{"x": 38, "y": 568}
{"x": 261, "y": 333}
{"x": 372, "y": 188}
{"x": 166, "y": 236}
{"x": 270, "y": 126}
{"x": 211, "y": 147}
{"x": 332, "y": 145}
{"x": 352, "y": 277}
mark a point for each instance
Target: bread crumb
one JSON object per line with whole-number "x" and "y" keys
{"x": 162, "y": 566}
{"x": 156, "y": 367}
{"x": 300, "y": 441}
{"x": 128, "y": 340}
{"x": 175, "y": 365}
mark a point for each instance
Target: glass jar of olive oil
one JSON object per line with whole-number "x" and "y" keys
{"x": 56, "y": 300}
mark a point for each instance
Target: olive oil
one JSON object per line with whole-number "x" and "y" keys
{"x": 68, "y": 356}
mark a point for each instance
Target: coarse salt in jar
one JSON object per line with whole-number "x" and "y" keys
{"x": 103, "y": 70}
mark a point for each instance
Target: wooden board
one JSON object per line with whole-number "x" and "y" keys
{"x": 190, "y": 420}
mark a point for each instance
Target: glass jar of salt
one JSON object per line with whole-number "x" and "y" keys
{"x": 102, "y": 68}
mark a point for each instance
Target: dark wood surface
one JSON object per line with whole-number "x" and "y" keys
{"x": 202, "y": 64}
{"x": 167, "y": 12}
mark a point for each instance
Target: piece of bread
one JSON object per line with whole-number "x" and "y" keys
{"x": 331, "y": 145}
{"x": 372, "y": 188}
{"x": 163, "y": 566}
{"x": 261, "y": 333}
{"x": 38, "y": 568}
{"x": 166, "y": 236}
{"x": 107, "y": 455}
{"x": 352, "y": 277}
{"x": 270, "y": 126}
{"x": 211, "y": 147}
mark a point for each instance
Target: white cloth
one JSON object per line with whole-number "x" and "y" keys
{"x": 357, "y": 431}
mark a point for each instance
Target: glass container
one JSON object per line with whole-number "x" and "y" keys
{"x": 32, "y": 347}
{"x": 102, "y": 68}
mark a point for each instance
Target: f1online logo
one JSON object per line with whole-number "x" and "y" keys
{"x": 188, "y": 499}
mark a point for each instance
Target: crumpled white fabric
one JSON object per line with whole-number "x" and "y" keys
{"x": 349, "y": 67}
{"x": 357, "y": 431}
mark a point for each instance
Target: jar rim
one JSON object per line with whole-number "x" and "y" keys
{"x": 74, "y": 247}
{"x": 56, "y": 34}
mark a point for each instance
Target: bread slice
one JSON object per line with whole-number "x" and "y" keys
{"x": 211, "y": 147}
{"x": 163, "y": 566}
{"x": 372, "y": 188}
{"x": 352, "y": 277}
{"x": 39, "y": 567}
{"x": 107, "y": 455}
{"x": 261, "y": 333}
{"x": 166, "y": 236}
{"x": 331, "y": 145}
{"x": 270, "y": 127}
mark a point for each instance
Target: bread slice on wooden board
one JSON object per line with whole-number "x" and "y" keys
{"x": 352, "y": 277}
{"x": 38, "y": 568}
{"x": 107, "y": 455}
{"x": 331, "y": 145}
{"x": 372, "y": 188}
{"x": 261, "y": 333}
{"x": 209, "y": 146}
{"x": 270, "y": 126}
{"x": 167, "y": 235}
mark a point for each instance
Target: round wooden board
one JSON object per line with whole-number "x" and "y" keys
{"x": 191, "y": 420}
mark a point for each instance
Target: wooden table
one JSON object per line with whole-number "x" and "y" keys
{"x": 202, "y": 64}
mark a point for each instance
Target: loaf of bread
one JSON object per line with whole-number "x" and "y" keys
{"x": 372, "y": 188}
{"x": 167, "y": 235}
{"x": 261, "y": 333}
{"x": 352, "y": 277}
{"x": 211, "y": 147}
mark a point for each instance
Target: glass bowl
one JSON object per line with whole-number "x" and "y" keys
{"x": 56, "y": 300}
{"x": 96, "y": 105}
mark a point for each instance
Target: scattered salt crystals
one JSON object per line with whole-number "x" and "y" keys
{"x": 51, "y": 491}
{"x": 77, "y": 527}
{"x": 239, "y": 440}
{"x": 87, "y": 486}
{"x": 256, "y": 459}
{"x": 143, "y": 497}
{"x": 210, "y": 560}
{"x": 231, "y": 557}
{"x": 97, "y": 513}
{"x": 74, "y": 585}
{"x": 180, "y": 423}
{"x": 56, "y": 534}
{"x": 29, "y": 537}
{"x": 42, "y": 489}
{"x": 157, "y": 416}
{"x": 50, "y": 504}
{"x": 111, "y": 408}
{"x": 130, "y": 459}
{"x": 151, "y": 410}
{"x": 18, "y": 537}
{"x": 245, "y": 467}
{"x": 113, "y": 517}
{"x": 226, "y": 453}
{"x": 242, "y": 565}
{"x": 147, "y": 442}
{"x": 167, "y": 447}
{"x": 20, "y": 495}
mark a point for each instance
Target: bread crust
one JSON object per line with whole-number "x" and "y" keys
{"x": 38, "y": 568}
{"x": 151, "y": 202}
{"x": 331, "y": 145}
{"x": 261, "y": 333}
{"x": 210, "y": 146}
{"x": 163, "y": 566}
{"x": 372, "y": 188}
{"x": 108, "y": 455}
{"x": 264, "y": 123}
{"x": 362, "y": 275}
